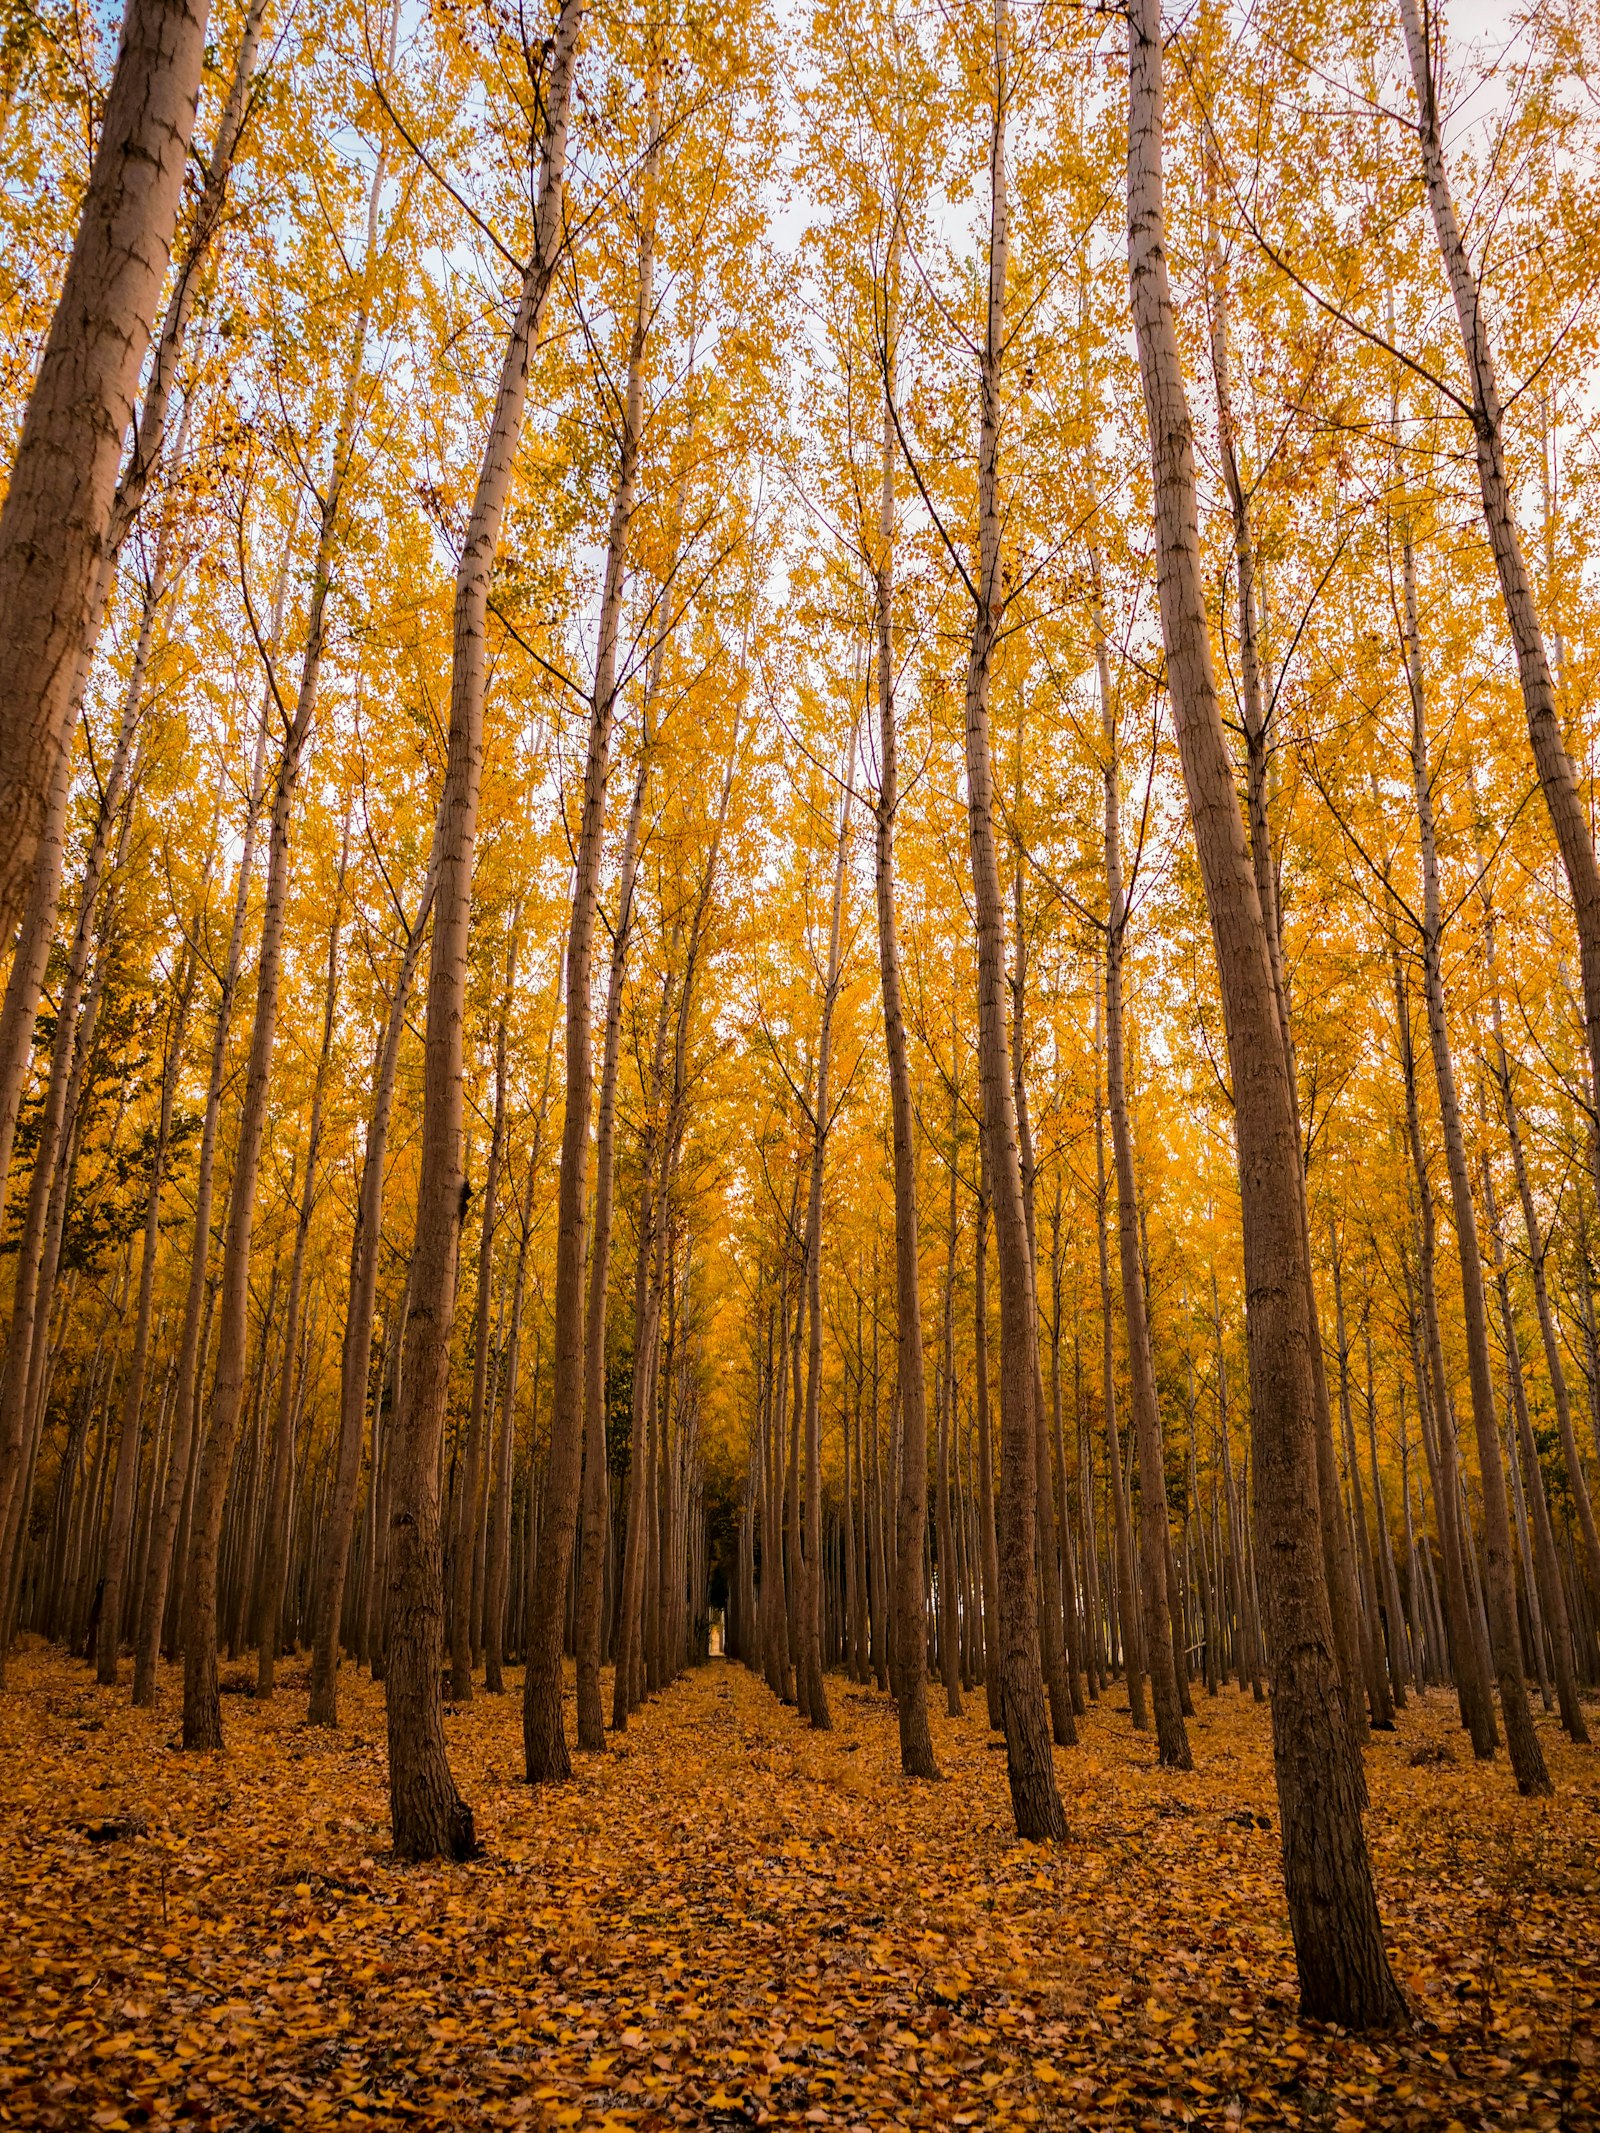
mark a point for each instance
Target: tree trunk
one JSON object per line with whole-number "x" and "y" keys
{"x": 1338, "y": 1562}
{"x": 988, "y": 1544}
{"x": 1527, "y": 1758}
{"x": 109, "y": 1648}
{"x": 1035, "y": 1799}
{"x": 544, "y": 1735}
{"x": 1333, "y": 1914}
{"x": 1172, "y": 1738}
{"x": 430, "y": 1817}
{"x": 1577, "y": 1480}
{"x": 1568, "y": 814}
{"x": 1052, "y": 1655}
{"x": 470, "y": 1495}
{"x": 32, "y": 1288}
{"x": 911, "y": 1508}
{"x": 269, "y": 1612}
{"x": 153, "y": 1603}
{"x": 948, "y": 1600}
{"x": 1127, "y": 1585}
{"x": 1377, "y": 1675}
{"x": 813, "y": 1694}
{"x": 1546, "y": 1583}
{"x": 1439, "y": 1439}
{"x": 356, "y": 1354}
{"x": 58, "y": 504}
{"x": 591, "y": 1711}
{"x": 646, "y": 1320}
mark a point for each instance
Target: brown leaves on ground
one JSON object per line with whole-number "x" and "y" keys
{"x": 728, "y": 1920}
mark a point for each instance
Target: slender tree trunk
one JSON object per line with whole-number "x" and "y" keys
{"x": 1333, "y": 1914}
{"x": 1546, "y": 1582}
{"x": 1577, "y": 1480}
{"x": 591, "y": 1711}
{"x": 948, "y": 1600}
{"x": 813, "y": 1693}
{"x": 430, "y": 1817}
{"x": 1527, "y": 1758}
{"x": 1172, "y": 1739}
{"x": 1439, "y": 1438}
{"x": 356, "y": 1354}
{"x": 646, "y": 1317}
{"x": 1052, "y": 1651}
{"x": 1402, "y": 1667}
{"x": 1338, "y": 1560}
{"x": 1568, "y": 814}
{"x": 26, "y": 978}
{"x": 1127, "y": 1586}
{"x": 35, "y": 1276}
{"x": 1035, "y": 1799}
{"x": 988, "y": 1543}
{"x": 470, "y": 1495}
{"x": 191, "y": 1348}
{"x": 108, "y": 1649}
{"x": 1377, "y": 1674}
{"x": 544, "y": 1735}
{"x": 269, "y": 1615}
{"x": 497, "y": 1563}
{"x": 911, "y": 1507}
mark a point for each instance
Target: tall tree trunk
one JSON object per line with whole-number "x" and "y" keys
{"x": 1035, "y": 1799}
{"x": 911, "y": 1507}
{"x": 26, "y": 977}
{"x": 1439, "y": 1437}
{"x": 1402, "y": 1665}
{"x": 109, "y": 1647}
{"x": 1338, "y": 1559}
{"x": 1527, "y": 1757}
{"x": 275, "y": 1553}
{"x": 32, "y": 1289}
{"x": 128, "y": 1442}
{"x": 543, "y": 1731}
{"x": 1377, "y": 1673}
{"x": 591, "y": 1710}
{"x": 497, "y": 1568}
{"x": 469, "y": 1498}
{"x": 944, "y": 1404}
{"x": 1546, "y": 1583}
{"x": 1172, "y": 1738}
{"x": 1052, "y": 1654}
{"x": 989, "y": 1551}
{"x": 1568, "y": 814}
{"x": 355, "y": 1363}
{"x": 646, "y": 1319}
{"x": 1127, "y": 1582}
{"x": 813, "y": 1694}
{"x": 57, "y": 508}
{"x": 153, "y": 1602}
{"x": 430, "y": 1818}
{"x": 1533, "y": 1229}
{"x": 1333, "y": 1914}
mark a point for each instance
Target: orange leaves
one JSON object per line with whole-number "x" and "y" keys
{"x": 742, "y": 1923}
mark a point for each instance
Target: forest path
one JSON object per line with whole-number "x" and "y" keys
{"x": 728, "y": 1920}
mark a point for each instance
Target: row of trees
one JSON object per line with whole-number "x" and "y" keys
{"x": 558, "y": 1071}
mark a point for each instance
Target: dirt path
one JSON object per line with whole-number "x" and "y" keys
{"x": 729, "y": 1921}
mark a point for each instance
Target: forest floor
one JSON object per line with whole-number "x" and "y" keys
{"x": 728, "y": 1920}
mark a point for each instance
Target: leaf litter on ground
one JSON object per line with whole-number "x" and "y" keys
{"x": 729, "y": 1920}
